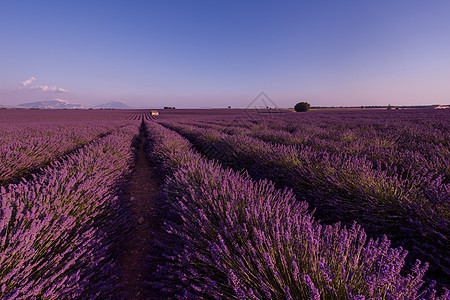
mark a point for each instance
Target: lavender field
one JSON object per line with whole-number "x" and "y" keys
{"x": 250, "y": 204}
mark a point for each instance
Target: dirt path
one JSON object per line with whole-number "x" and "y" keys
{"x": 143, "y": 192}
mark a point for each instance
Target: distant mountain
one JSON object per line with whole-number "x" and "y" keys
{"x": 51, "y": 104}
{"x": 113, "y": 105}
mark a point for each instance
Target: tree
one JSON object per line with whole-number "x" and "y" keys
{"x": 302, "y": 106}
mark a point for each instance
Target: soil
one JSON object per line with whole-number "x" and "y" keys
{"x": 144, "y": 198}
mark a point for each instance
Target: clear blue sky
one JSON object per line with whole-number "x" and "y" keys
{"x": 215, "y": 53}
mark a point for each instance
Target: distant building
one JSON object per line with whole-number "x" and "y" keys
{"x": 441, "y": 107}
{"x": 155, "y": 113}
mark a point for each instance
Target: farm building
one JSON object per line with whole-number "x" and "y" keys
{"x": 154, "y": 113}
{"x": 441, "y": 107}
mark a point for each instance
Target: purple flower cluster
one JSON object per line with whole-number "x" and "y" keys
{"x": 27, "y": 146}
{"x": 408, "y": 202}
{"x": 409, "y": 139}
{"x": 57, "y": 229}
{"x": 245, "y": 239}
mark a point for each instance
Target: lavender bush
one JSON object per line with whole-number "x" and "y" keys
{"x": 244, "y": 239}
{"x": 57, "y": 229}
{"x": 414, "y": 211}
{"x": 27, "y": 146}
{"x": 406, "y": 139}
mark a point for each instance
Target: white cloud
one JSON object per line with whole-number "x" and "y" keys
{"x": 47, "y": 88}
{"x": 28, "y": 81}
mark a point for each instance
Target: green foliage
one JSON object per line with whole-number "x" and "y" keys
{"x": 302, "y": 106}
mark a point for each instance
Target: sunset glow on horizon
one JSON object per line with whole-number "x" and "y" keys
{"x": 203, "y": 54}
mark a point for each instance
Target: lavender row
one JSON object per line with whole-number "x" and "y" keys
{"x": 242, "y": 239}
{"x": 28, "y": 146}
{"x": 58, "y": 228}
{"x": 400, "y": 140}
{"x": 413, "y": 176}
{"x": 414, "y": 213}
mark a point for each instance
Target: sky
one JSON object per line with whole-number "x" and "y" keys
{"x": 219, "y": 53}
